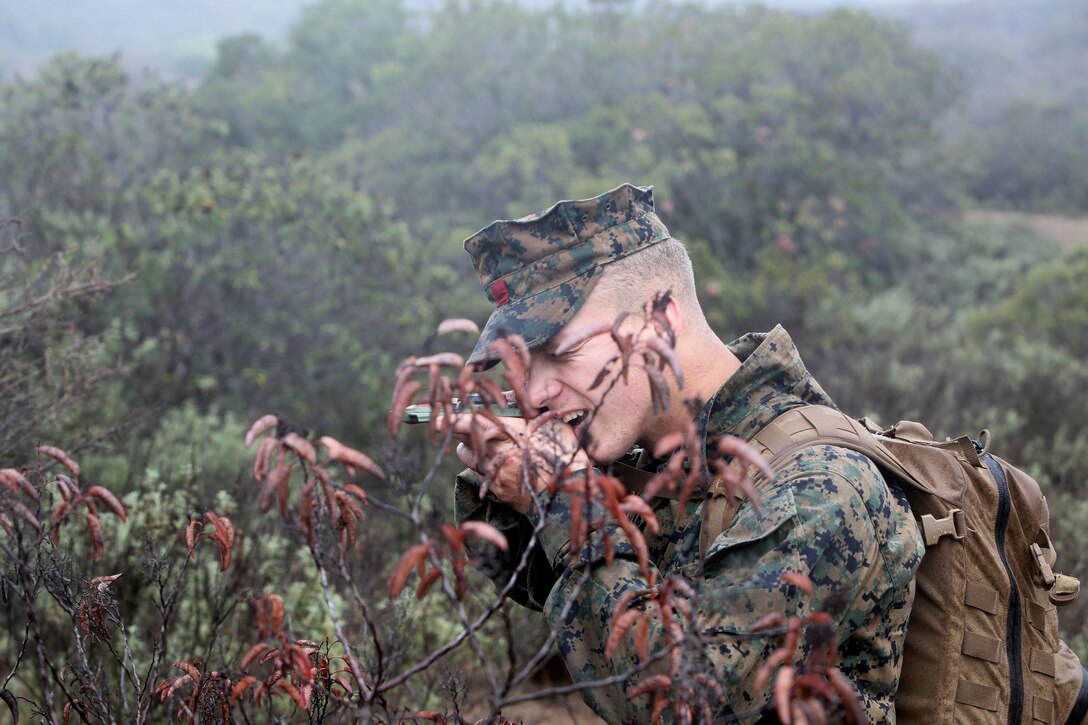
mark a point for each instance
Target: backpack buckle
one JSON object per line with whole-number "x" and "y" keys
{"x": 954, "y": 525}
{"x": 1065, "y": 589}
{"x": 1061, "y": 588}
{"x": 1043, "y": 566}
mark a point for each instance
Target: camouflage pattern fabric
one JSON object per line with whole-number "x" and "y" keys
{"x": 538, "y": 270}
{"x": 829, "y": 515}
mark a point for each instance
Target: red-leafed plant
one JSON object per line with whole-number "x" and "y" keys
{"x": 353, "y": 647}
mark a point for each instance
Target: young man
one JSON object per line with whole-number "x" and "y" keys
{"x": 828, "y": 514}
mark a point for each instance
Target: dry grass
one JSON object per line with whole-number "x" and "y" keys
{"x": 1066, "y": 231}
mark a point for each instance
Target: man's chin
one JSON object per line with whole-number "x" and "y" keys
{"x": 602, "y": 454}
{"x": 600, "y": 449}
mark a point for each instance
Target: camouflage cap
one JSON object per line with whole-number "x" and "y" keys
{"x": 538, "y": 270}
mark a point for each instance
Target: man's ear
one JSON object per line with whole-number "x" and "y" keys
{"x": 674, "y": 316}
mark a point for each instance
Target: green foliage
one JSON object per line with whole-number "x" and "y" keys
{"x": 82, "y": 132}
{"x": 1052, "y": 302}
{"x": 1018, "y": 138}
{"x": 292, "y": 223}
{"x": 1031, "y": 157}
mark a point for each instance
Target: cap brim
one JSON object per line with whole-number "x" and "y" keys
{"x": 536, "y": 319}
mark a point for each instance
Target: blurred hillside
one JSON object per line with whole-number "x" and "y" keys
{"x": 174, "y": 38}
{"x": 280, "y": 229}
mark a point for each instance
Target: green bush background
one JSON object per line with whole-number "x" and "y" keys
{"x": 287, "y": 228}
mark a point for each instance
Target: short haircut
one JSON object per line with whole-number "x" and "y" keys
{"x": 631, "y": 283}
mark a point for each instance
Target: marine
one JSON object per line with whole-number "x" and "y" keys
{"x": 827, "y": 520}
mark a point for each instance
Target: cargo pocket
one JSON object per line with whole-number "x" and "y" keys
{"x": 744, "y": 565}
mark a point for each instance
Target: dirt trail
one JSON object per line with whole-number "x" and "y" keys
{"x": 1066, "y": 231}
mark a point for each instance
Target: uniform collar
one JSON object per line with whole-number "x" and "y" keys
{"x": 771, "y": 380}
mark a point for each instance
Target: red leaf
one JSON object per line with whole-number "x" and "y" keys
{"x": 94, "y": 526}
{"x": 264, "y": 454}
{"x": 190, "y": 669}
{"x": 621, "y": 623}
{"x": 426, "y": 581}
{"x": 449, "y": 359}
{"x": 402, "y": 397}
{"x": 580, "y": 335}
{"x": 223, "y": 526}
{"x": 62, "y": 457}
{"x": 638, "y": 542}
{"x": 294, "y": 693}
{"x": 254, "y": 652}
{"x": 67, "y": 487}
{"x": 167, "y": 687}
{"x": 517, "y": 369}
{"x": 240, "y": 687}
{"x": 487, "y": 532}
{"x": 745, "y": 453}
{"x": 357, "y": 492}
{"x": 848, "y": 696}
{"x": 642, "y": 639}
{"x": 25, "y": 515}
{"x": 305, "y": 509}
{"x": 348, "y": 505}
{"x": 15, "y": 481}
{"x": 457, "y": 325}
{"x": 622, "y": 341}
{"x": 454, "y": 536}
{"x": 657, "y": 682}
{"x": 414, "y": 556}
{"x": 223, "y": 537}
{"x": 11, "y": 702}
{"x": 302, "y": 447}
{"x": 769, "y": 621}
{"x": 350, "y": 456}
{"x": 270, "y": 612}
{"x": 577, "y": 525}
{"x": 262, "y": 425}
{"x": 668, "y": 355}
{"x": 636, "y": 505}
{"x": 659, "y": 387}
{"x": 777, "y": 658}
{"x": 101, "y": 583}
{"x": 668, "y": 444}
{"x": 105, "y": 496}
{"x": 190, "y": 534}
{"x": 783, "y": 689}
{"x": 279, "y": 476}
{"x": 224, "y": 552}
{"x": 799, "y": 580}
{"x": 275, "y": 611}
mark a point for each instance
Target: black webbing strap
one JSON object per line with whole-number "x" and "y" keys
{"x": 635, "y": 478}
{"x": 1079, "y": 714}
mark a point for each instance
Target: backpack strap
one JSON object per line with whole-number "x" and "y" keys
{"x": 813, "y": 425}
{"x": 629, "y": 470}
{"x": 796, "y": 429}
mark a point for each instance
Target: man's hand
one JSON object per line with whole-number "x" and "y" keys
{"x": 517, "y": 455}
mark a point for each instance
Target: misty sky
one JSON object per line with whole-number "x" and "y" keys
{"x": 179, "y": 36}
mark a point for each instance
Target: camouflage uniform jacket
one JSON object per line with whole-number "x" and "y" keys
{"x": 829, "y": 514}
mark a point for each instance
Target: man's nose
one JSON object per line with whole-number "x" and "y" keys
{"x": 542, "y": 387}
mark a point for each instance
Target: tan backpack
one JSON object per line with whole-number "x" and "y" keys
{"x": 982, "y": 642}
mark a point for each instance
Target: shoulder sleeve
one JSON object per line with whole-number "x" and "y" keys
{"x": 816, "y": 521}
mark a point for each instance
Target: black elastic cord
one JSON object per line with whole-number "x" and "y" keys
{"x": 1080, "y": 707}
